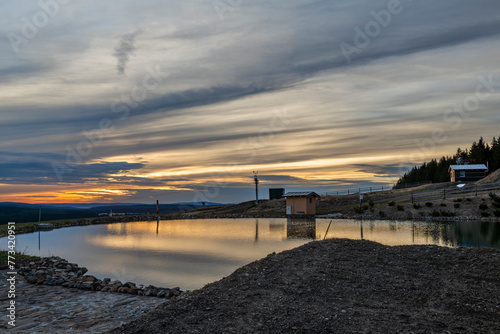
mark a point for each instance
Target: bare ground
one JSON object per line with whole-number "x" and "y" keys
{"x": 394, "y": 204}
{"x": 343, "y": 286}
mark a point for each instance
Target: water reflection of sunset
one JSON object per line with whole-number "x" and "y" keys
{"x": 392, "y": 233}
{"x": 192, "y": 253}
{"x": 206, "y": 228}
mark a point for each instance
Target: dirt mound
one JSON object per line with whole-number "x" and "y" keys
{"x": 493, "y": 177}
{"x": 343, "y": 286}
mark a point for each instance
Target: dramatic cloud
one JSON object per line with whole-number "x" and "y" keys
{"x": 316, "y": 95}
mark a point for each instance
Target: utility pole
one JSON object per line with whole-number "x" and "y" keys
{"x": 157, "y": 216}
{"x": 256, "y": 180}
{"x": 39, "y": 220}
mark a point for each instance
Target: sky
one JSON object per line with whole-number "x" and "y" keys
{"x": 180, "y": 101}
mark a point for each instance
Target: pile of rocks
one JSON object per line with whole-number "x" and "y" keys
{"x": 57, "y": 271}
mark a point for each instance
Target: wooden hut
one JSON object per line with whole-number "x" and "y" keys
{"x": 463, "y": 173}
{"x": 301, "y": 203}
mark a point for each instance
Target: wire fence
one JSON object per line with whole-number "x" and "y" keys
{"x": 467, "y": 190}
{"x": 413, "y": 197}
{"x": 411, "y": 185}
{"x": 364, "y": 190}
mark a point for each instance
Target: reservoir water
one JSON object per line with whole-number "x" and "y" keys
{"x": 192, "y": 253}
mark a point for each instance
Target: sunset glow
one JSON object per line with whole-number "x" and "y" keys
{"x": 174, "y": 101}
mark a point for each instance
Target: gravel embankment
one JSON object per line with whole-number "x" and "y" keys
{"x": 343, "y": 286}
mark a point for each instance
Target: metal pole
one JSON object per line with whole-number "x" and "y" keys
{"x": 256, "y": 188}
{"x": 157, "y": 216}
{"x": 39, "y": 219}
{"x": 256, "y": 192}
{"x": 328, "y": 228}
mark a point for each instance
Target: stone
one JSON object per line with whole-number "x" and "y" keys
{"x": 129, "y": 284}
{"x": 57, "y": 271}
{"x": 86, "y": 285}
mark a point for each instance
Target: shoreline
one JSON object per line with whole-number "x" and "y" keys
{"x": 56, "y": 271}
{"x": 54, "y": 309}
{"x": 344, "y": 286}
{"x": 33, "y": 227}
{"x": 287, "y": 291}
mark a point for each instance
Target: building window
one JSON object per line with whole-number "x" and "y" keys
{"x": 310, "y": 200}
{"x": 462, "y": 173}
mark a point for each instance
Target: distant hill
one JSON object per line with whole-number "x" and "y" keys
{"x": 23, "y": 213}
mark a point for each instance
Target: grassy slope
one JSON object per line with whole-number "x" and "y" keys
{"x": 348, "y": 205}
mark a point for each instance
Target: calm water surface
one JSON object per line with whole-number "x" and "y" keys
{"x": 192, "y": 253}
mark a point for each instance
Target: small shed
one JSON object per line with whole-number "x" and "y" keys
{"x": 276, "y": 193}
{"x": 301, "y": 203}
{"x": 462, "y": 173}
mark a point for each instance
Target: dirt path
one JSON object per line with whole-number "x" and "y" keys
{"x": 344, "y": 286}
{"x": 54, "y": 309}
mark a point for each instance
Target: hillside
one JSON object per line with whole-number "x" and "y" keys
{"x": 391, "y": 204}
{"x": 492, "y": 178}
{"x": 23, "y": 213}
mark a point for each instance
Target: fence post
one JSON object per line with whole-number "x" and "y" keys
{"x": 411, "y": 198}
{"x": 476, "y": 189}
{"x": 444, "y": 193}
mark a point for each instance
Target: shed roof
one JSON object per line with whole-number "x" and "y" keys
{"x": 469, "y": 167}
{"x": 301, "y": 194}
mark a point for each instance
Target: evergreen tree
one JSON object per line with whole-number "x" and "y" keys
{"x": 479, "y": 151}
{"x": 437, "y": 171}
{"x": 495, "y": 154}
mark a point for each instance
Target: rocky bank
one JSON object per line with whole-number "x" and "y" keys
{"x": 57, "y": 271}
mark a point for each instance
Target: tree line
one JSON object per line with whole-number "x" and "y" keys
{"x": 436, "y": 171}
